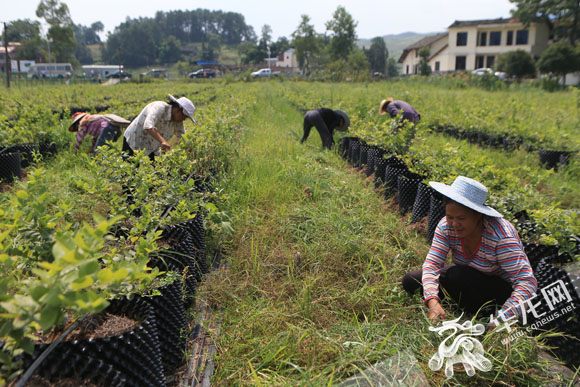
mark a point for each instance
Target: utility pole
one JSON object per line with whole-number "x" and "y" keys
{"x": 7, "y": 58}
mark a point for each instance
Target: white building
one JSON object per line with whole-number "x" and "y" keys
{"x": 288, "y": 60}
{"x": 474, "y": 44}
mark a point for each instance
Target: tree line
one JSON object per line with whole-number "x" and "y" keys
{"x": 199, "y": 34}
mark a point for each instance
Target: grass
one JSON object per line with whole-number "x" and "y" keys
{"x": 311, "y": 291}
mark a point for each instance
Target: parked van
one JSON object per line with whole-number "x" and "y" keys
{"x": 50, "y": 70}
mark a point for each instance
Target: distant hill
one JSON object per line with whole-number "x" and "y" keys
{"x": 396, "y": 43}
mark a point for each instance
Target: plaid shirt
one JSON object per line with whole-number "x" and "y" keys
{"x": 500, "y": 253}
{"x": 93, "y": 125}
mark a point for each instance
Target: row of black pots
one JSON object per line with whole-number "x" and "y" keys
{"x": 145, "y": 354}
{"x": 551, "y": 159}
{"x": 15, "y": 157}
{"x": 551, "y": 316}
{"x": 502, "y": 141}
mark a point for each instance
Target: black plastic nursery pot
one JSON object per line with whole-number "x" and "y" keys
{"x": 169, "y": 312}
{"x": 561, "y": 313}
{"x": 10, "y": 166}
{"x": 552, "y": 159}
{"x": 47, "y": 149}
{"x": 363, "y": 153}
{"x": 422, "y": 202}
{"x": 407, "y": 188}
{"x": 354, "y": 151}
{"x": 392, "y": 173}
{"x": 371, "y": 160}
{"x": 343, "y": 146}
{"x": 132, "y": 358}
{"x": 436, "y": 213}
{"x": 26, "y": 152}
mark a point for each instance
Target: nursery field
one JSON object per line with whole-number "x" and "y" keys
{"x": 296, "y": 252}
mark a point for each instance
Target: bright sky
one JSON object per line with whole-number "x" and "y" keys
{"x": 374, "y": 17}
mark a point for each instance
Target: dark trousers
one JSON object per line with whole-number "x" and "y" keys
{"x": 109, "y": 134}
{"x": 314, "y": 118}
{"x": 127, "y": 149}
{"x": 467, "y": 286}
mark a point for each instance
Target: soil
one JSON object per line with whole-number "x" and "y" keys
{"x": 92, "y": 327}
{"x": 420, "y": 226}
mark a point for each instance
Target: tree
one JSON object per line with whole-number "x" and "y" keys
{"x": 280, "y": 45}
{"x": 266, "y": 37}
{"x": 170, "y": 50}
{"x": 343, "y": 35}
{"x": 377, "y": 55}
{"x": 424, "y": 68}
{"x": 61, "y": 30}
{"x": 27, "y": 33}
{"x": 392, "y": 69}
{"x": 559, "y": 59}
{"x": 305, "y": 43}
{"x": 561, "y": 16}
{"x": 518, "y": 63}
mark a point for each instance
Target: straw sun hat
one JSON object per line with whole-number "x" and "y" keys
{"x": 468, "y": 192}
{"x": 383, "y": 107}
{"x": 75, "y": 119}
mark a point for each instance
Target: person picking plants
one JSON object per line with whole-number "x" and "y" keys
{"x": 490, "y": 266}
{"x": 325, "y": 121}
{"x": 104, "y": 128}
{"x": 157, "y": 123}
{"x": 393, "y": 108}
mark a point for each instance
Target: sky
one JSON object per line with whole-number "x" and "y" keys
{"x": 374, "y": 17}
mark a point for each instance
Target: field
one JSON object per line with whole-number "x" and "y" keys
{"x": 307, "y": 254}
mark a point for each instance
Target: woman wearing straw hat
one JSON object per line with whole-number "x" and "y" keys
{"x": 489, "y": 266}
{"x": 393, "y": 108}
{"x": 156, "y": 124}
{"x": 325, "y": 121}
{"x": 104, "y": 128}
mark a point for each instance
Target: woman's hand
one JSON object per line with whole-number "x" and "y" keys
{"x": 436, "y": 311}
{"x": 165, "y": 146}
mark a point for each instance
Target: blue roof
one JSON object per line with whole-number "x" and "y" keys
{"x": 200, "y": 63}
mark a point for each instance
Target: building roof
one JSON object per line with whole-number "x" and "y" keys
{"x": 472, "y": 23}
{"x": 426, "y": 41}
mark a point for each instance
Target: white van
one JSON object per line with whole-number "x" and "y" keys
{"x": 50, "y": 70}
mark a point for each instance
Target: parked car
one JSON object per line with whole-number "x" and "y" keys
{"x": 501, "y": 75}
{"x": 155, "y": 73}
{"x": 263, "y": 73}
{"x": 483, "y": 70}
{"x": 202, "y": 73}
{"x": 119, "y": 74}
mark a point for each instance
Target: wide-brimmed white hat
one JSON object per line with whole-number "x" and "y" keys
{"x": 468, "y": 192}
{"x": 346, "y": 120}
{"x": 186, "y": 105}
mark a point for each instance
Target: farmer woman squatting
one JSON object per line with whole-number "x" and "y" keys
{"x": 489, "y": 266}
{"x": 156, "y": 124}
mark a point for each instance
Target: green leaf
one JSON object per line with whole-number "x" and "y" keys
{"x": 48, "y": 317}
{"x": 23, "y": 195}
{"x": 82, "y": 283}
{"x": 105, "y": 276}
{"x": 88, "y": 268}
